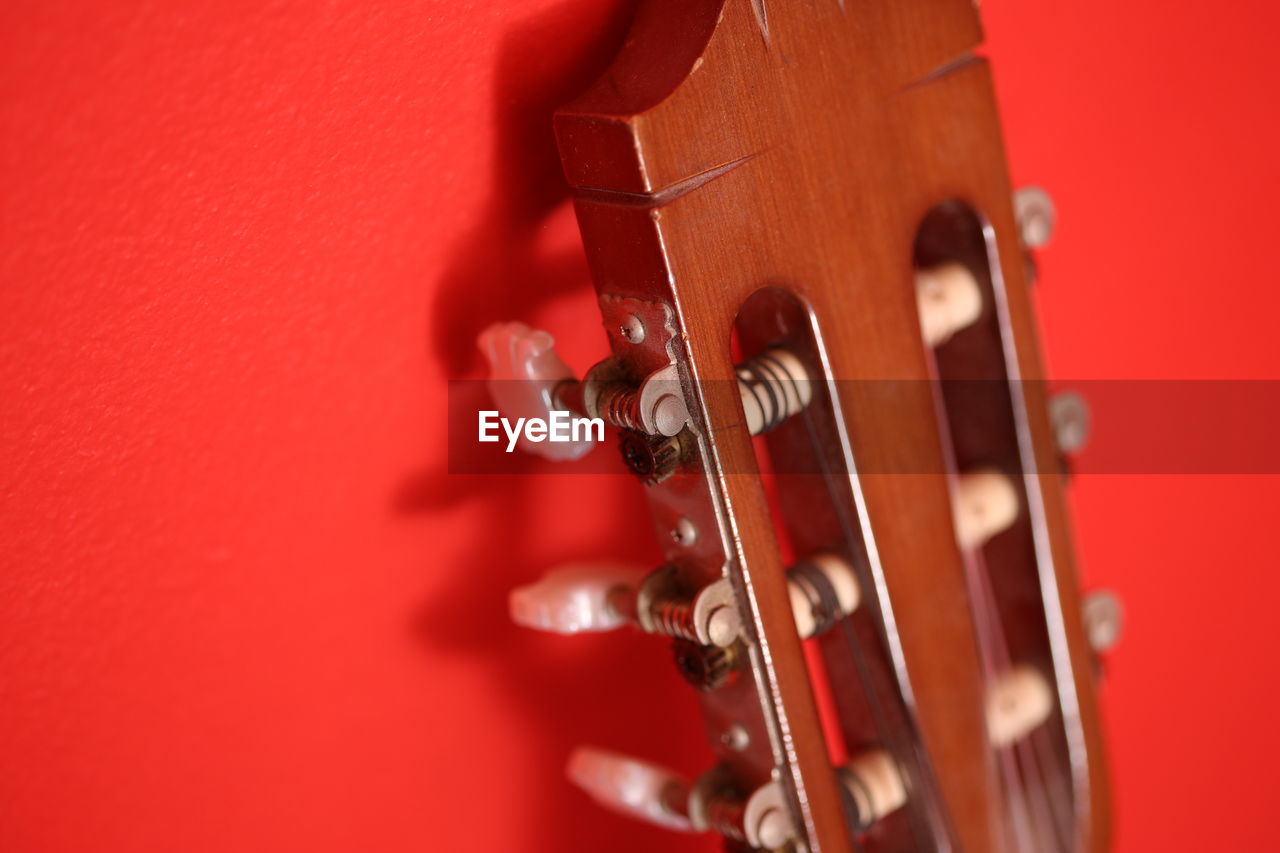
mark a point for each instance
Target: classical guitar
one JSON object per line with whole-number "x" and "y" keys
{"x": 813, "y": 274}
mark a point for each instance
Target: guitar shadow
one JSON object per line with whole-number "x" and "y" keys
{"x": 595, "y": 689}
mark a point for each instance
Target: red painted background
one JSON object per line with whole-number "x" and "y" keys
{"x": 242, "y": 605}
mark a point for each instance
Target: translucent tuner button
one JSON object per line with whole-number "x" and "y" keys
{"x": 524, "y": 371}
{"x": 632, "y": 787}
{"x": 986, "y": 502}
{"x": 949, "y": 299}
{"x": 576, "y": 599}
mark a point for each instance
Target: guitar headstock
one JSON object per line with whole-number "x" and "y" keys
{"x": 814, "y": 283}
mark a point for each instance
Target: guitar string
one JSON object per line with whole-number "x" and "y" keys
{"x": 1062, "y": 818}
{"x": 995, "y": 657}
{"x": 1016, "y": 759}
{"x": 992, "y": 641}
{"x": 853, "y": 544}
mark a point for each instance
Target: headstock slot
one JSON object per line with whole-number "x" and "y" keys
{"x": 982, "y": 409}
{"x": 816, "y": 512}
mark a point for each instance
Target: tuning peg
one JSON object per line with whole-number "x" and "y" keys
{"x": 632, "y": 787}
{"x": 577, "y": 598}
{"x": 602, "y": 597}
{"x": 1069, "y": 415}
{"x": 659, "y": 796}
{"x": 1103, "y": 619}
{"x": 1036, "y": 216}
{"x": 587, "y": 597}
{"x": 528, "y": 380}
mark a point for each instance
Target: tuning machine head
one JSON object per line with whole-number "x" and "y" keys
{"x": 629, "y": 786}
{"x": 578, "y": 598}
{"x": 529, "y": 381}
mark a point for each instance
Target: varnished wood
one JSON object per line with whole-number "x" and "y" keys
{"x": 743, "y": 144}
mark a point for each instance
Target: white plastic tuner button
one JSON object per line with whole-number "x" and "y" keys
{"x": 949, "y": 299}
{"x": 631, "y": 787}
{"x": 575, "y": 599}
{"x": 524, "y": 371}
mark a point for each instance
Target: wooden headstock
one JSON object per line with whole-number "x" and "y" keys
{"x": 771, "y": 179}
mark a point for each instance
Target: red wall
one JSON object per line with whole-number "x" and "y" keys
{"x": 243, "y": 246}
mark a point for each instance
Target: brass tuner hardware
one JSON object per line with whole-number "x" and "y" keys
{"x": 709, "y": 616}
{"x": 773, "y": 386}
{"x": 717, "y": 804}
{"x": 705, "y": 667}
{"x": 651, "y": 458}
{"x": 654, "y": 407}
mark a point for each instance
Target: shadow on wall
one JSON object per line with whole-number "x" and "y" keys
{"x": 500, "y": 272}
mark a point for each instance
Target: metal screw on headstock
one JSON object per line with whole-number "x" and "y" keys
{"x": 736, "y": 737}
{"x": 684, "y": 533}
{"x": 632, "y": 329}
